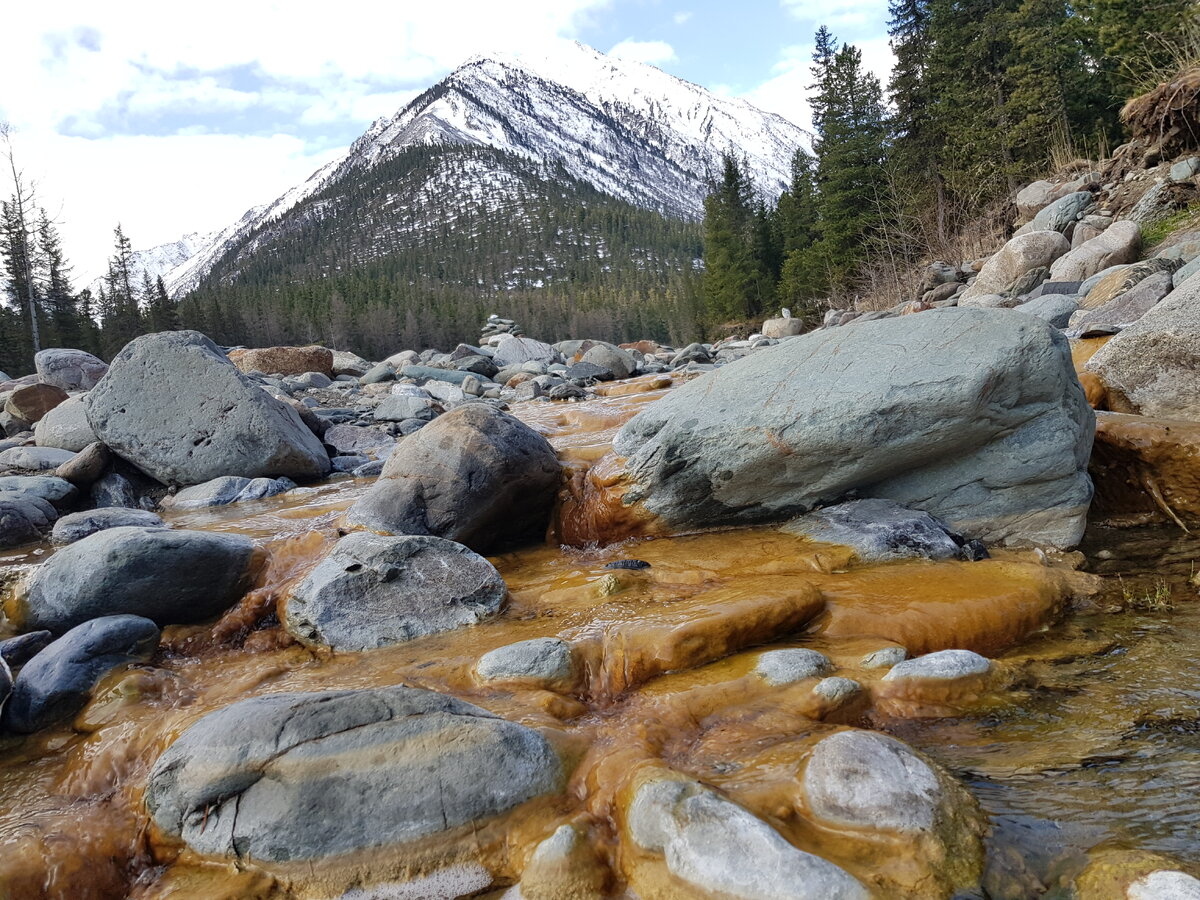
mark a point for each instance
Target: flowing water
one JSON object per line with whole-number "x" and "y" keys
{"x": 1084, "y": 738}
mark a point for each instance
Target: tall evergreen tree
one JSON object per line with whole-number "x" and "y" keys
{"x": 734, "y": 277}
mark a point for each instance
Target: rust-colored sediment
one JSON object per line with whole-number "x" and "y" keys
{"x": 1146, "y": 469}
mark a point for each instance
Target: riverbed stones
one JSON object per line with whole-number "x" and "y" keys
{"x": 373, "y": 591}
{"x": 227, "y": 489}
{"x": 716, "y": 847}
{"x": 32, "y": 401}
{"x": 1153, "y": 366}
{"x": 1022, "y": 254}
{"x": 1062, "y": 213}
{"x": 69, "y": 370}
{"x": 170, "y": 576}
{"x": 620, "y": 362}
{"x": 384, "y": 767}
{"x": 512, "y": 351}
{"x": 1054, "y": 308}
{"x": 944, "y": 665}
{"x": 174, "y": 406}
{"x": 62, "y": 494}
{"x": 879, "y": 530}
{"x": 65, "y": 427}
{"x": 23, "y": 518}
{"x": 34, "y": 459}
{"x": 77, "y": 526}
{"x": 284, "y": 360}
{"x": 973, "y": 416}
{"x": 57, "y": 682}
{"x": 473, "y": 475}
{"x": 777, "y": 667}
{"x": 18, "y": 650}
{"x": 1165, "y": 884}
{"x": 358, "y": 439}
{"x": 542, "y": 661}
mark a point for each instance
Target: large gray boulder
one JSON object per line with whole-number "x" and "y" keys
{"x": 71, "y": 370}
{"x": 974, "y": 416}
{"x": 174, "y": 406}
{"x": 77, "y": 526}
{"x": 373, "y": 591}
{"x": 512, "y": 351}
{"x": 1060, "y": 214}
{"x": 170, "y": 576}
{"x": 720, "y": 848}
{"x": 1118, "y": 244}
{"x": 474, "y": 475}
{"x": 303, "y": 776}
{"x": 65, "y": 427}
{"x": 58, "y": 681}
{"x": 23, "y": 518}
{"x": 1019, "y": 256}
{"x": 1153, "y": 366}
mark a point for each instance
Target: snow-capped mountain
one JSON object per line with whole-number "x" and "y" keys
{"x": 626, "y": 128}
{"x": 164, "y": 259}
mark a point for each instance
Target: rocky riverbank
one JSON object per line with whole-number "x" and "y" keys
{"x": 579, "y": 620}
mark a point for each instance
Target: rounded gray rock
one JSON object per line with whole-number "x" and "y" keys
{"x": 175, "y": 406}
{"x": 474, "y": 475}
{"x": 372, "y": 591}
{"x": 77, "y": 526}
{"x": 65, "y": 427}
{"x": 789, "y": 665}
{"x": 884, "y": 658}
{"x": 944, "y": 665}
{"x": 71, "y": 370}
{"x": 836, "y": 689}
{"x": 1165, "y": 884}
{"x": 302, "y": 776}
{"x": 539, "y": 659}
{"x": 170, "y": 576}
{"x": 58, "y": 681}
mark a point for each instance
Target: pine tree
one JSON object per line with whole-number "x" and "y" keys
{"x": 57, "y": 295}
{"x": 733, "y": 276}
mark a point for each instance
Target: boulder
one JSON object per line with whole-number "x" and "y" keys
{"x": 1020, "y": 255}
{"x": 974, "y": 416}
{"x": 34, "y": 459}
{"x": 113, "y": 489}
{"x": 1033, "y": 197}
{"x": 397, "y": 408}
{"x": 70, "y": 370}
{"x": 1118, "y": 244}
{"x": 32, "y": 401}
{"x": 944, "y": 665}
{"x": 227, "y": 489}
{"x": 620, "y": 362}
{"x": 61, "y": 494}
{"x": 879, "y": 530}
{"x": 347, "y": 363}
{"x": 23, "y": 518}
{"x": 474, "y": 475}
{"x": 170, "y": 576}
{"x": 77, "y": 526}
{"x": 65, "y": 427}
{"x": 284, "y": 360}
{"x": 174, "y": 406}
{"x": 373, "y": 591}
{"x": 378, "y": 374}
{"x": 836, "y": 690}
{"x": 1119, "y": 280}
{"x": 1062, "y": 213}
{"x": 1126, "y": 309}
{"x": 789, "y": 327}
{"x": 16, "y": 651}
{"x": 1053, "y": 308}
{"x": 1153, "y": 366}
{"x": 787, "y": 666}
{"x": 358, "y": 439}
{"x": 719, "y": 848}
{"x": 58, "y": 681}
{"x": 384, "y": 767}
{"x": 542, "y": 661}
{"x": 1165, "y": 884}
{"x": 512, "y": 351}
{"x": 87, "y": 466}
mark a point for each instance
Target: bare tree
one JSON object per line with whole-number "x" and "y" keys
{"x": 24, "y": 224}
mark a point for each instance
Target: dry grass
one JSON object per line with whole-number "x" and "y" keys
{"x": 1154, "y": 599}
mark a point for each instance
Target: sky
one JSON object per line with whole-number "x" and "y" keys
{"x": 176, "y": 118}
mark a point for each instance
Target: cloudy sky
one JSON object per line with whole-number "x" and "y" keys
{"x": 177, "y": 118}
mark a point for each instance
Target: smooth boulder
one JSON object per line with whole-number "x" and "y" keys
{"x": 174, "y": 406}
{"x": 32, "y": 401}
{"x": 879, "y": 530}
{"x": 1020, "y": 255}
{"x": 474, "y": 475}
{"x": 77, "y": 526}
{"x": 65, "y": 427}
{"x": 1117, "y": 244}
{"x": 170, "y": 576}
{"x": 372, "y": 591}
{"x": 58, "y": 681}
{"x": 973, "y": 416}
{"x": 284, "y": 360}
{"x": 70, "y": 370}
{"x": 302, "y": 776}
{"x": 227, "y": 489}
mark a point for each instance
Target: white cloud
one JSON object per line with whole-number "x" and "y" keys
{"x": 682, "y": 17}
{"x": 787, "y": 92}
{"x": 652, "y": 52}
{"x": 117, "y": 71}
{"x": 870, "y": 15}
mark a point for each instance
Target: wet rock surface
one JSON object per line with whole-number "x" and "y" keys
{"x": 385, "y": 766}
{"x": 372, "y": 591}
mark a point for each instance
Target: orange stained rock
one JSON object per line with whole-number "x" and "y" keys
{"x": 1085, "y": 348}
{"x": 1094, "y": 389}
{"x": 1146, "y": 468}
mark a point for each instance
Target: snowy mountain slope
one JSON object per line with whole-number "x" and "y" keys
{"x": 163, "y": 259}
{"x": 626, "y": 128}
